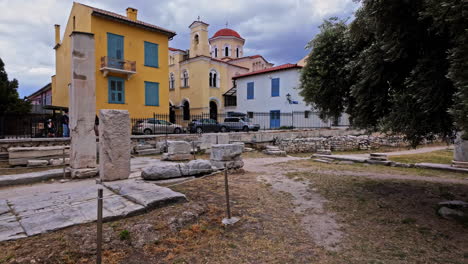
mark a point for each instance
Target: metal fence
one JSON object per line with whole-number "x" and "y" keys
{"x": 30, "y": 126}
{"x": 38, "y": 125}
{"x": 251, "y": 121}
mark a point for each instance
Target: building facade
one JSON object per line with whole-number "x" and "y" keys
{"x": 270, "y": 97}
{"x": 131, "y": 66}
{"x": 40, "y": 99}
{"x": 201, "y": 75}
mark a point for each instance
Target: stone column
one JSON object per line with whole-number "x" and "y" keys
{"x": 82, "y": 106}
{"x": 114, "y": 144}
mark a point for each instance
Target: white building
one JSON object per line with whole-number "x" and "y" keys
{"x": 271, "y": 98}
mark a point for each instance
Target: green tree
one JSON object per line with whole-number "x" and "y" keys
{"x": 10, "y": 103}
{"x": 325, "y": 83}
{"x": 400, "y": 78}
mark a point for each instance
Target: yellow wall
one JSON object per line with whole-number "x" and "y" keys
{"x": 82, "y": 23}
{"x": 233, "y": 42}
{"x": 199, "y": 93}
{"x": 134, "y": 39}
{"x": 133, "y": 51}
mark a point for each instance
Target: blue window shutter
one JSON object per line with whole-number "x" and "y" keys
{"x": 151, "y": 54}
{"x": 116, "y": 90}
{"x": 250, "y": 90}
{"x": 275, "y": 87}
{"x": 152, "y": 93}
{"x": 115, "y": 46}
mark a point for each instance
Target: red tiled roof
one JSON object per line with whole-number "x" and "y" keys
{"x": 225, "y": 62}
{"x": 272, "y": 69}
{"x": 250, "y": 57}
{"x": 174, "y": 49}
{"x": 226, "y": 32}
{"x": 125, "y": 19}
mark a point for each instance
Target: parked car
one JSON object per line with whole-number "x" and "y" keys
{"x": 204, "y": 125}
{"x": 155, "y": 126}
{"x": 238, "y": 124}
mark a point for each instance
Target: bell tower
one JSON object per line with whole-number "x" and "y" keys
{"x": 199, "y": 45}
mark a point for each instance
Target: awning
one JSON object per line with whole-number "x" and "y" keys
{"x": 231, "y": 92}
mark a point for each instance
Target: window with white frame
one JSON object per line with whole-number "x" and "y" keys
{"x": 227, "y": 50}
{"x": 171, "y": 81}
{"x": 185, "y": 78}
{"x": 214, "y": 78}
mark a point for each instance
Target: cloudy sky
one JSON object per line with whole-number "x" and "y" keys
{"x": 276, "y": 29}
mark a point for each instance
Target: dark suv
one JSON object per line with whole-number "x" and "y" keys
{"x": 238, "y": 124}
{"x": 204, "y": 125}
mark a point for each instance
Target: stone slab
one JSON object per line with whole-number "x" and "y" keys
{"x": 143, "y": 147}
{"x": 114, "y": 144}
{"x": 37, "y": 163}
{"x": 55, "y": 210}
{"x": 178, "y": 147}
{"x": 226, "y": 152}
{"x": 342, "y": 157}
{"x": 145, "y": 193}
{"x": 83, "y": 173}
{"x": 10, "y": 228}
{"x": 234, "y": 164}
{"x": 21, "y": 155}
{"x": 439, "y": 167}
{"x": 176, "y": 157}
{"x": 150, "y": 151}
{"x": 32, "y": 177}
{"x": 161, "y": 171}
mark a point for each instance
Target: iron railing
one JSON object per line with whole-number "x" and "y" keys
{"x": 36, "y": 125}
{"x": 112, "y": 63}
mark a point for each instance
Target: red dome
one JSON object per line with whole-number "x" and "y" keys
{"x": 226, "y": 32}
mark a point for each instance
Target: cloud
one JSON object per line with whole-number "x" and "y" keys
{"x": 276, "y": 29}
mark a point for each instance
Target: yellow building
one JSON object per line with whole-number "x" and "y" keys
{"x": 200, "y": 78}
{"x": 131, "y": 66}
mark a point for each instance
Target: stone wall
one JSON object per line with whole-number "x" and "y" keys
{"x": 247, "y": 137}
{"x": 340, "y": 143}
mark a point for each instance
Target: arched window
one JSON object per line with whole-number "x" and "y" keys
{"x": 185, "y": 79}
{"x": 186, "y": 110}
{"x": 214, "y": 78}
{"x": 196, "y": 39}
{"x": 237, "y": 52}
{"x": 216, "y": 52}
{"x": 171, "y": 81}
{"x": 226, "y": 51}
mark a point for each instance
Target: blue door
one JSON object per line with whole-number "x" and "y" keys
{"x": 275, "y": 116}
{"x": 115, "y": 50}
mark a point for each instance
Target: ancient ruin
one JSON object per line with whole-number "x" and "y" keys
{"x": 82, "y": 106}
{"x": 114, "y": 144}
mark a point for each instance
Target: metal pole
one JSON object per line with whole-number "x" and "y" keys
{"x": 99, "y": 228}
{"x": 193, "y": 149}
{"x": 226, "y": 187}
{"x": 64, "y": 164}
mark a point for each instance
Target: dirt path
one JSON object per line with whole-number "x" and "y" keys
{"x": 319, "y": 223}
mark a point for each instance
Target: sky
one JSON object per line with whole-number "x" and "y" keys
{"x": 278, "y": 30}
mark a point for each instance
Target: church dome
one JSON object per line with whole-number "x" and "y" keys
{"x": 226, "y": 32}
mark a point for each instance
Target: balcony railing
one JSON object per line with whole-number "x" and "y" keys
{"x": 109, "y": 64}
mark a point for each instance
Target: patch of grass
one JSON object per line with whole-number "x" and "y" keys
{"x": 440, "y": 156}
{"x": 369, "y": 170}
{"x": 124, "y": 235}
